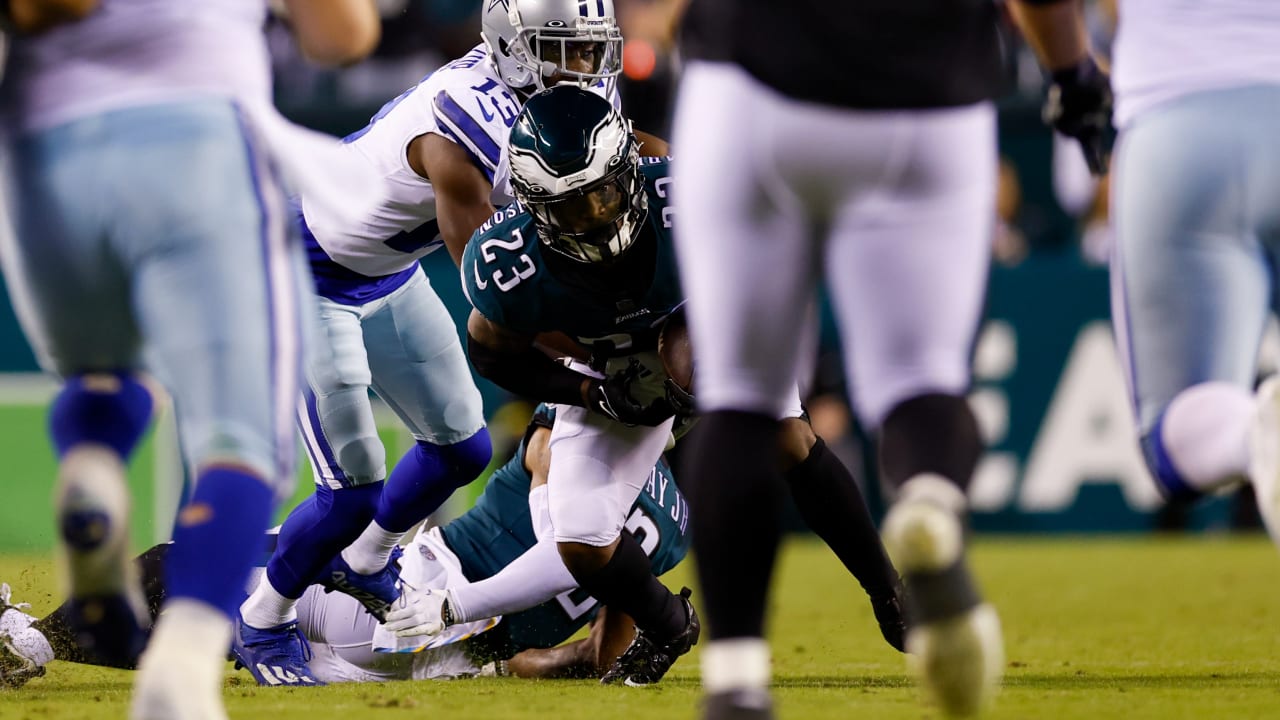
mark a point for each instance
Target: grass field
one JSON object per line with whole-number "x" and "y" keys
{"x": 1095, "y": 628}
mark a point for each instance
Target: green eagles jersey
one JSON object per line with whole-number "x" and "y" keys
{"x": 497, "y": 530}
{"x": 518, "y": 282}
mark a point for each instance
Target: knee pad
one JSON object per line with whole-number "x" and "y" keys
{"x": 110, "y": 408}
{"x": 363, "y": 459}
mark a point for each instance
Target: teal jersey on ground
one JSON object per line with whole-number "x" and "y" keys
{"x": 497, "y": 530}
{"x": 508, "y": 277}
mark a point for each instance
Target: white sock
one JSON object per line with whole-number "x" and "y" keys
{"x": 372, "y": 550}
{"x": 33, "y": 645}
{"x": 180, "y": 674}
{"x": 1205, "y": 433}
{"x": 267, "y": 608}
{"x": 736, "y": 664}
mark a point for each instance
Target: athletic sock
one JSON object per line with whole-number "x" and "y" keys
{"x": 733, "y": 664}
{"x": 372, "y": 550}
{"x": 313, "y": 534}
{"x": 218, "y": 537}
{"x": 930, "y": 434}
{"x": 626, "y": 582}
{"x": 111, "y": 409}
{"x": 832, "y": 506}
{"x": 734, "y": 490}
{"x": 425, "y": 477}
{"x": 1201, "y": 441}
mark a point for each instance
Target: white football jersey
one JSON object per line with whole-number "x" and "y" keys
{"x": 135, "y": 52}
{"x": 464, "y": 101}
{"x": 1165, "y": 49}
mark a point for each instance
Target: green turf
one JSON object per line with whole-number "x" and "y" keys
{"x": 1095, "y": 628}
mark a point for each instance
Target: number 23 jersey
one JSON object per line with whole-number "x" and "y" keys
{"x": 508, "y": 275}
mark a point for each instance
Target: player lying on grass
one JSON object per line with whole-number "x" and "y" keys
{"x": 506, "y": 521}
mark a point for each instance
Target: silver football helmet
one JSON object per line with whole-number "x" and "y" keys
{"x": 547, "y": 42}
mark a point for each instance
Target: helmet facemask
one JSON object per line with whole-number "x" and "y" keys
{"x": 596, "y": 223}
{"x": 558, "y": 52}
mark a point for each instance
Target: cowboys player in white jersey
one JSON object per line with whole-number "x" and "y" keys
{"x": 437, "y": 149}
{"x": 141, "y": 149}
{"x": 1196, "y": 204}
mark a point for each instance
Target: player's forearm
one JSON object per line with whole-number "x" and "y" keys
{"x": 652, "y": 145}
{"x": 335, "y": 32}
{"x": 528, "y": 373}
{"x": 1055, "y": 30}
{"x": 569, "y": 661}
{"x": 28, "y": 17}
{"x": 532, "y": 579}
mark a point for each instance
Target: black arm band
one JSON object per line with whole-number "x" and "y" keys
{"x": 529, "y": 373}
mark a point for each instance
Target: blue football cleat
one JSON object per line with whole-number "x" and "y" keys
{"x": 274, "y": 656}
{"x": 375, "y": 592}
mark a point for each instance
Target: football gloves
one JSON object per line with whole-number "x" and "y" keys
{"x": 611, "y": 397}
{"x": 1079, "y": 106}
{"x": 420, "y": 612}
{"x": 681, "y": 400}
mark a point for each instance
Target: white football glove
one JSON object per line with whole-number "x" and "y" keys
{"x": 418, "y": 612}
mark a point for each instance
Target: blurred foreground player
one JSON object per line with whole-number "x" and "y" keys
{"x": 884, "y": 177}
{"x": 1196, "y": 202}
{"x": 593, "y": 242}
{"x": 149, "y": 218}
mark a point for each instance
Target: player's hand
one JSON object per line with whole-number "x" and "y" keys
{"x": 418, "y": 612}
{"x": 1079, "y": 106}
{"x": 611, "y": 397}
{"x": 680, "y": 400}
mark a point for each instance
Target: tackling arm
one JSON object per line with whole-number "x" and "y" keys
{"x": 1055, "y": 30}
{"x": 35, "y": 16}
{"x": 652, "y": 145}
{"x": 511, "y": 361}
{"x": 1079, "y": 104}
{"x": 462, "y": 190}
{"x": 590, "y": 657}
{"x": 335, "y": 32}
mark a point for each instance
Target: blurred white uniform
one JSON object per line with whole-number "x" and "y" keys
{"x": 1196, "y": 204}
{"x": 382, "y": 325}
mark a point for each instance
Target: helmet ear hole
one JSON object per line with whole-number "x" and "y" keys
{"x": 503, "y": 47}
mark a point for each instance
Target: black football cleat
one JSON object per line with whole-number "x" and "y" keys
{"x": 738, "y": 705}
{"x": 646, "y": 660}
{"x": 891, "y": 618}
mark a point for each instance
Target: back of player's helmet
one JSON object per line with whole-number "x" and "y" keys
{"x": 575, "y": 166}
{"x": 542, "y": 42}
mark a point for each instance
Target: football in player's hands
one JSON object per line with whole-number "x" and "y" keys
{"x": 675, "y": 352}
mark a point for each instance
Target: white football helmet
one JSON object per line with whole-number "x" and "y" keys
{"x": 535, "y": 42}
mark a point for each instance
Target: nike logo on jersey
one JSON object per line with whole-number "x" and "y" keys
{"x": 480, "y": 284}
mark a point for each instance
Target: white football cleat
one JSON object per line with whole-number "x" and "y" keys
{"x": 181, "y": 672}
{"x": 1264, "y": 454}
{"x": 955, "y": 643}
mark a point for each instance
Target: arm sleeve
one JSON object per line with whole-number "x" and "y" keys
{"x": 532, "y": 579}
{"x": 540, "y": 514}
